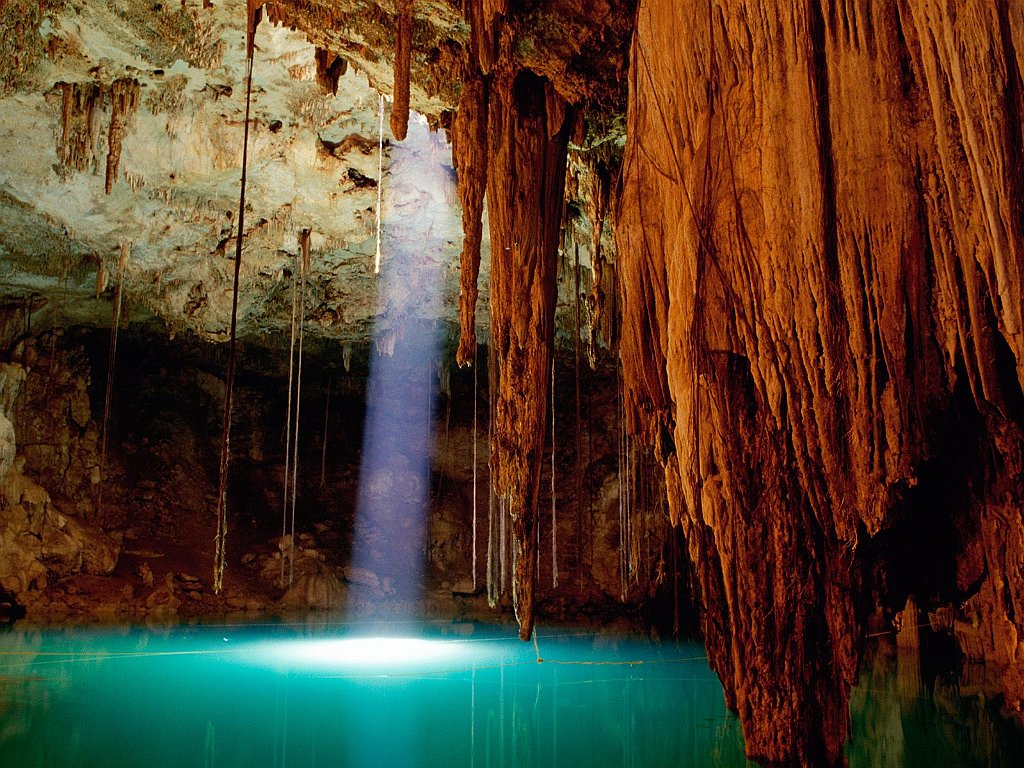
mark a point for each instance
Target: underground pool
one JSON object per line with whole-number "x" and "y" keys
{"x": 451, "y": 694}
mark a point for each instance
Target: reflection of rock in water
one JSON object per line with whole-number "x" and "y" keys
{"x": 16, "y": 688}
{"x": 878, "y": 737}
{"x": 902, "y": 719}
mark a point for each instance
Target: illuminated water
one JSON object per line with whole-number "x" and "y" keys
{"x": 457, "y": 695}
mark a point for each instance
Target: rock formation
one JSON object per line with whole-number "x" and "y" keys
{"x": 820, "y": 229}
{"x": 814, "y": 290}
{"x": 403, "y": 63}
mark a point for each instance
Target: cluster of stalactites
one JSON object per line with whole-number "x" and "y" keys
{"x": 510, "y": 139}
{"x": 81, "y": 107}
{"x": 124, "y": 101}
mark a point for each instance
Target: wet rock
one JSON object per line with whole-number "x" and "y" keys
{"x": 99, "y": 551}
{"x": 162, "y": 601}
{"x": 464, "y": 587}
{"x": 318, "y": 591}
{"x": 146, "y": 574}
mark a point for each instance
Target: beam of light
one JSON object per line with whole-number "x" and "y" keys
{"x": 388, "y": 539}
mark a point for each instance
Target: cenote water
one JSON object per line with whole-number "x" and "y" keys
{"x": 438, "y": 695}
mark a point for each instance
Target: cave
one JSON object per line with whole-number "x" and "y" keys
{"x": 627, "y": 382}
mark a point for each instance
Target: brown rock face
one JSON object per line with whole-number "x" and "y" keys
{"x": 820, "y": 233}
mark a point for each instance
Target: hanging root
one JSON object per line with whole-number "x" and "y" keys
{"x": 380, "y": 179}
{"x": 304, "y": 256}
{"x": 220, "y": 548}
{"x": 288, "y": 422}
{"x": 493, "y": 582}
{"x": 122, "y": 262}
{"x": 475, "y": 462}
{"x": 554, "y": 504}
{"x": 323, "y": 447}
{"x": 579, "y": 422}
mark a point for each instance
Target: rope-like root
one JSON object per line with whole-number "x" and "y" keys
{"x": 220, "y": 541}
{"x": 380, "y": 177}
{"x": 303, "y": 269}
{"x": 475, "y": 462}
{"x": 122, "y": 262}
{"x": 288, "y": 423}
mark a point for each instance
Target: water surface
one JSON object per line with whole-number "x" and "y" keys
{"x": 404, "y": 695}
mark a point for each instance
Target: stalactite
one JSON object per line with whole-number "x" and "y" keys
{"x": 469, "y": 153}
{"x": 288, "y": 419}
{"x": 529, "y": 127}
{"x": 304, "y": 255}
{"x": 101, "y": 278}
{"x": 80, "y": 108}
{"x": 122, "y": 263}
{"x": 220, "y": 540}
{"x": 330, "y": 67}
{"x": 380, "y": 177}
{"x": 403, "y": 63}
{"x": 124, "y": 101}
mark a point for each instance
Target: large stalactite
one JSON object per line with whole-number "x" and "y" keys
{"x": 403, "y": 64}
{"x": 529, "y": 135}
{"x": 469, "y": 152}
{"x": 820, "y": 233}
{"x": 512, "y": 131}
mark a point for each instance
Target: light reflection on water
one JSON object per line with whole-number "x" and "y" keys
{"x": 440, "y": 695}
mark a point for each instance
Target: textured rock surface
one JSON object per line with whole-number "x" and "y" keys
{"x": 821, "y": 231}
{"x": 127, "y": 126}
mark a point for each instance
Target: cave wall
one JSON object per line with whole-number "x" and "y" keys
{"x": 130, "y": 535}
{"x": 820, "y": 229}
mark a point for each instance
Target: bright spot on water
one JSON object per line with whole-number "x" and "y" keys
{"x": 381, "y": 653}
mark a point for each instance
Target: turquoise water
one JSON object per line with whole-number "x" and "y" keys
{"x": 442, "y": 695}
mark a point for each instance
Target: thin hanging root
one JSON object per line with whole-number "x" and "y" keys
{"x": 475, "y": 400}
{"x": 122, "y": 262}
{"x": 323, "y": 452}
{"x": 492, "y": 515}
{"x": 619, "y": 402}
{"x": 288, "y": 422}
{"x": 380, "y": 180}
{"x": 579, "y": 421}
{"x": 304, "y": 248}
{"x": 220, "y": 547}
{"x": 554, "y": 504}
{"x": 503, "y": 543}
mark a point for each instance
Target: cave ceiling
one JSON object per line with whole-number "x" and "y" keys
{"x": 164, "y": 87}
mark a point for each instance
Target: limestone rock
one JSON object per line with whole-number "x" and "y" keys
{"x": 318, "y": 591}
{"x": 8, "y": 447}
{"x": 822, "y": 248}
{"x": 99, "y": 551}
